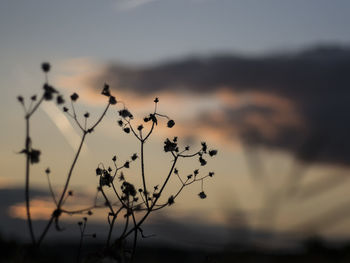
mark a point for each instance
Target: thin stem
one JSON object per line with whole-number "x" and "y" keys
{"x": 135, "y": 236}
{"x": 64, "y": 190}
{"x": 30, "y": 113}
{"x": 80, "y": 211}
{"x": 75, "y": 117}
{"x": 71, "y": 170}
{"x": 81, "y": 241}
{"x": 133, "y": 131}
{"x": 143, "y": 174}
{"x": 149, "y": 133}
{"x": 50, "y": 188}
{"x": 178, "y": 176}
{"x": 112, "y": 225}
{"x": 116, "y": 193}
{"x": 188, "y": 155}
{"x": 162, "y": 115}
{"x": 125, "y": 227}
{"x": 100, "y": 119}
{"x": 27, "y": 198}
{"x": 49, "y": 223}
{"x": 155, "y": 201}
{"x": 107, "y": 201}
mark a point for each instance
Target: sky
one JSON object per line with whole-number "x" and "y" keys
{"x": 264, "y": 82}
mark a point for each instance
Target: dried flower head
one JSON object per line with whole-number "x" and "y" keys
{"x": 125, "y": 113}
{"x": 59, "y": 99}
{"x": 171, "y": 200}
{"x": 134, "y": 157}
{"x": 74, "y": 96}
{"x": 213, "y": 152}
{"x": 20, "y": 99}
{"x": 34, "y": 156}
{"x": 105, "y": 90}
{"x": 202, "y": 195}
{"x": 170, "y": 123}
{"x": 112, "y": 100}
{"x": 45, "y": 67}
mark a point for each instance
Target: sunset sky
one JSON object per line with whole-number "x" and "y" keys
{"x": 264, "y": 82}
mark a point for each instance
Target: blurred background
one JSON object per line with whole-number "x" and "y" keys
{"x": 264, "y": 82}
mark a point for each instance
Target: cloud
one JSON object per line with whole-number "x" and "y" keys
{"x": 298, "y": 102}
{"x": 126, "y": 5}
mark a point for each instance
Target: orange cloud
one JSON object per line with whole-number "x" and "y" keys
{"x": 39, "y": 208}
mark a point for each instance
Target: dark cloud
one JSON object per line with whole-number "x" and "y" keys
{"x": 316, "y": 81}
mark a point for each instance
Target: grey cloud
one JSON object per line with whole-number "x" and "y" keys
{"x": 316, "y": 81}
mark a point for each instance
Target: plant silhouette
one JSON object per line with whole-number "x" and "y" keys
{"x": 135, "y": 203}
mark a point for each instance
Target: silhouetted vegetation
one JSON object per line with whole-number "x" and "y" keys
{"x": 130, "y": 204}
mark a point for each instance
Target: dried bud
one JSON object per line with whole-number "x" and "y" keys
{"x": 45, "y": 67}
{"x": 20, "y": 99}
{"x": 171, "y": 200}
{"x": 204, "y": 147}
{"x": 125, "y": 113}
{"x": 213, "y": 152}
{"x": 105, "y": 90}
{"x": 171, "y": 123}
{"x": 59, "y": 99}
{"x": 126, "y": 164}
{"x": 134, "y": 157}
{"x": 202, "y": 195}
{"x": 98, "y": 171}
{"x": 112, "y": 100}
{"x": 74, "y": 96}
{"x": 34, "y": 156}
{"x": 202, "y": 161}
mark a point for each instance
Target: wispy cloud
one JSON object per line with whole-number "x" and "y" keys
{"x": 126, "y": 5}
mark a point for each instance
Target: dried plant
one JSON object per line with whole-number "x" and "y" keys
{"x": 134, "y": 203}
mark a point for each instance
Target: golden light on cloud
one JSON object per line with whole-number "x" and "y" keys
{"x": 42, "y": 208}
{"x": 39, "y": 208}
